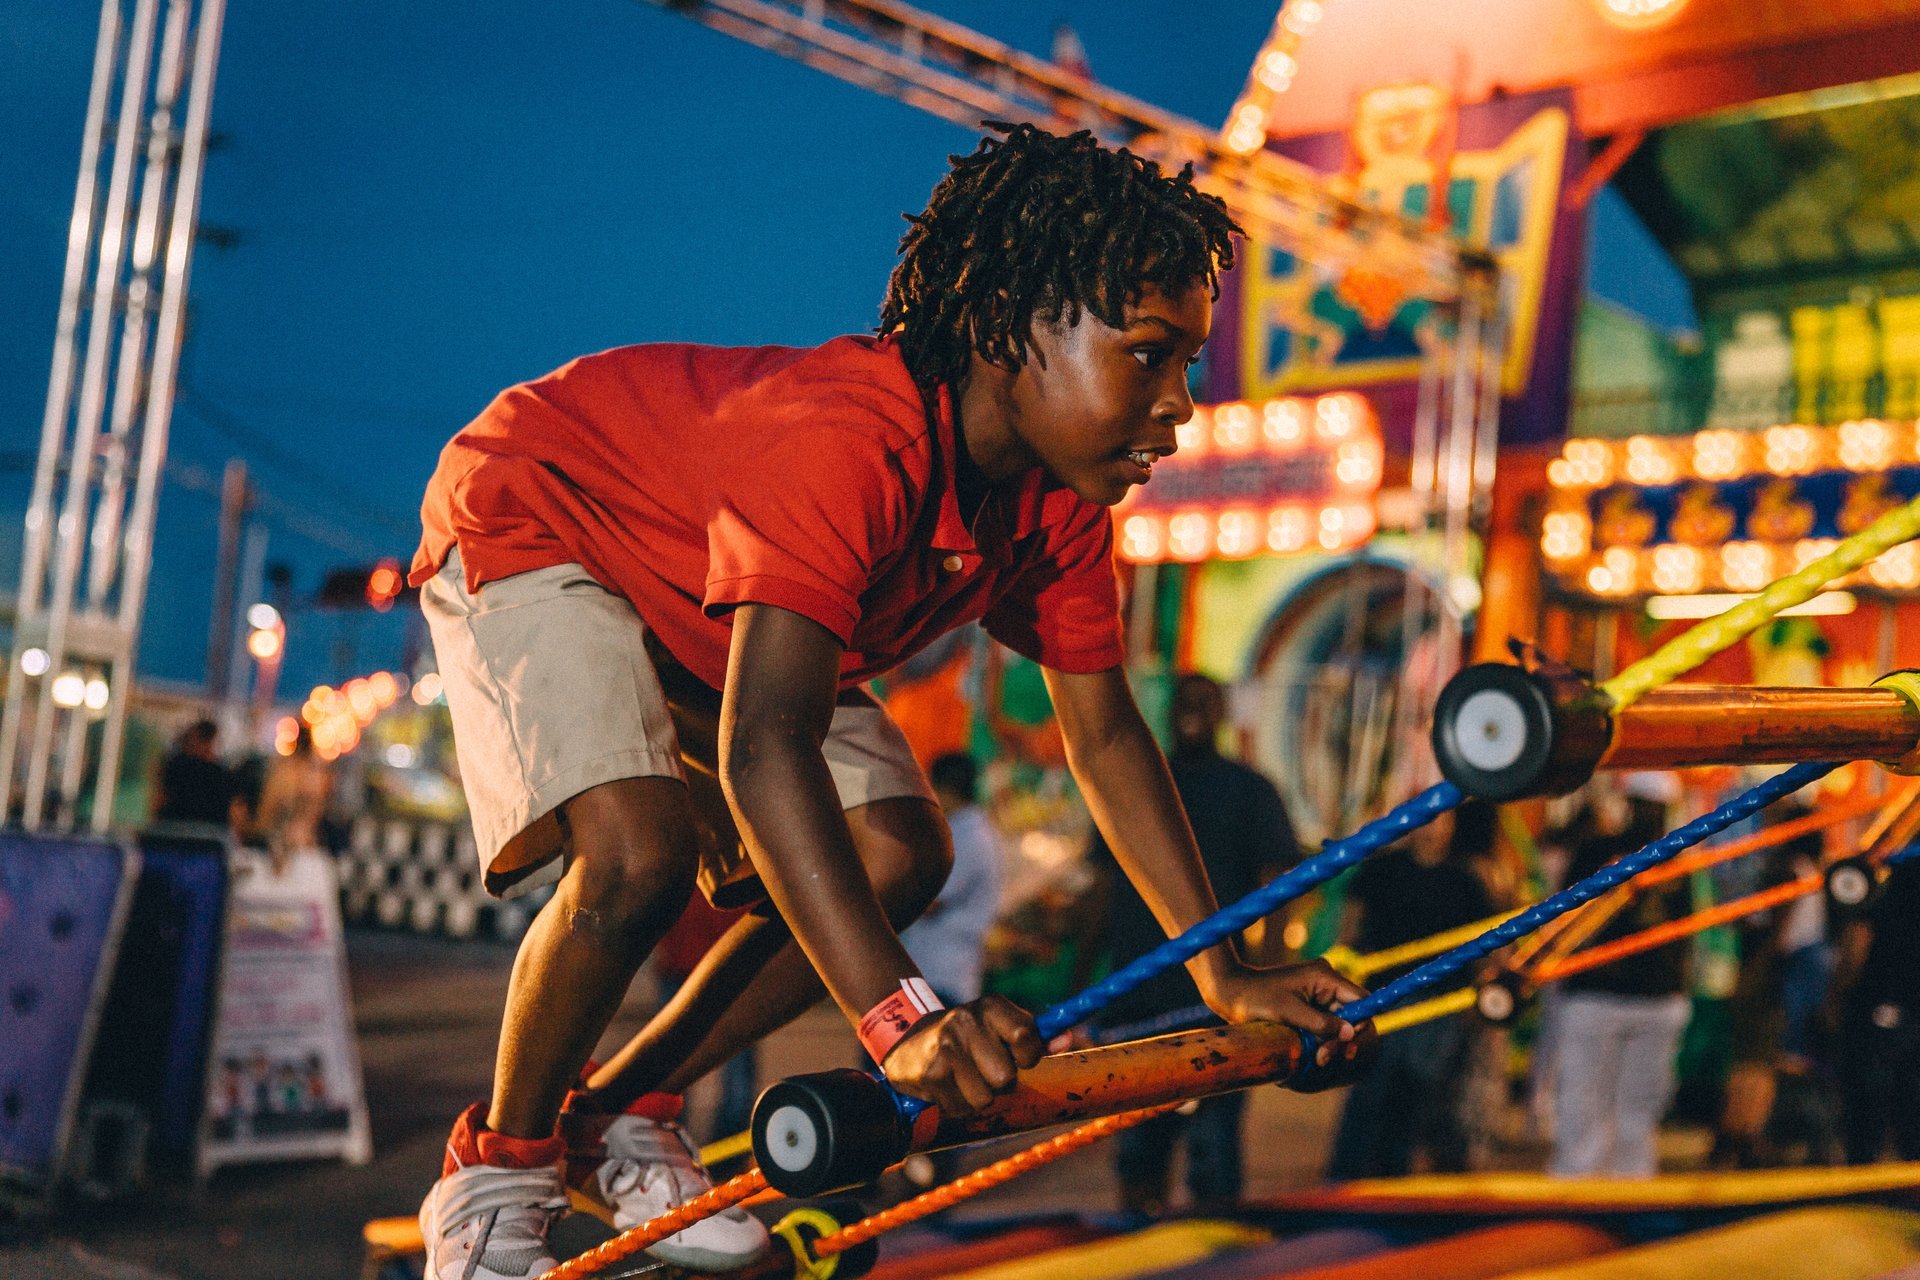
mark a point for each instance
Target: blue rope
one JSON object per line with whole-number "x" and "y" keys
{"x": 1332, "y": 859}
{"x": 1448, "y": 963}
{"x": 1194, "y": 1015}
{"x": 1262, "y": 902}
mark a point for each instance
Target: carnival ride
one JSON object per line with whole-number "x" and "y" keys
{"x": 1501, "y": 732}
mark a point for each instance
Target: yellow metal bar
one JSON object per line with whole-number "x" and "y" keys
{"x": 1362, "y": 967}
{"x": 1426, "y": 1011}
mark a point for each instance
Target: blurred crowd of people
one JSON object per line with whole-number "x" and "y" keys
{"x": 279, "y": 803}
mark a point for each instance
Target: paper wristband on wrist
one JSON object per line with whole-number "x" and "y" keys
{"x": 887, "y": 1023}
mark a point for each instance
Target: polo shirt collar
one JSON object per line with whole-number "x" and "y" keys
{"x": 1040, "y": 501}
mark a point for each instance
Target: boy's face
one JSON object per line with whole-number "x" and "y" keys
{"x": 1096, "y": 406}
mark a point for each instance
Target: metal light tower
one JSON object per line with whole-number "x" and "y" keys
{"x": 89, "y": 528}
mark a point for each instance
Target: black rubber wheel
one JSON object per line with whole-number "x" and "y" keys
{"x": 1852, "y": 884}
{"x": 826, "y": 1132}
{"x": 1493, "y": 731}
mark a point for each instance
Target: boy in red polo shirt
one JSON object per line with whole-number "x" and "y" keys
{"x": 667, "y": 554}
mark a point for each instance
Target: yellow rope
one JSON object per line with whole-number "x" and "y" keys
{"x": 1681, "y": 655}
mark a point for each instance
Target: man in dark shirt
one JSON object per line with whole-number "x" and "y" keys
{"x": 1878, "y": 989}
{"x": 1245, "y": 839}
{"x": 194, "y": 785}
{"x": 1422, "y": 886}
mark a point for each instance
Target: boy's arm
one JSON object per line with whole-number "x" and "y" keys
{"x": 782, "y": 679}
{"x": 1127, "y": 786}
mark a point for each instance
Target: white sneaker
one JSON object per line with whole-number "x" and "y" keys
{"x": 485, "y": 1222}
{"x": 628, "y": 1169}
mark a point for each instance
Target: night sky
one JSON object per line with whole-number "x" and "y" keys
{"x": 433, "y": 200}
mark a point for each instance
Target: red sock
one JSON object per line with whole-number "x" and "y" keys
{"x": 473, "y": 1143}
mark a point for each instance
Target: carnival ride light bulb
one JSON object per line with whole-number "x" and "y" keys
{"x": 97, "y": 694}
{"x": 1276, "y": 69}
{"x": 1245, "y": 138}
{"x": 1189, "y": 536}
{"x": 1301, "y": 16}
{"x": 1623, "y": 565}
{"x": 1233, "y": 427}
{"x": 399, "y": 755}
{"x": 1790, "y": 450}
{"x": 1335, "y": 417}
{"x": 1746, "y": 566}
{"x": 1717, "y": 455}
{"x": 1238, "y": 535}
{"x": 262, "y": 616}
{"x": 1141, "y": 539}
{"x": 384, "y": 687}
{"x": 1865, "y": 445}
{"x": 1560, "y": 473}
{"x": 1807, "y": 550}
{"x": 69, "y": 689}
{"x": 286, "y": 735}
{"x": 1190, "y": 437}
{"x": 1897, "y": 569}
{"x": 1676, "y": 569}
{"x": 1565, "y": 535}
{"x": 1600, "y": 580}
{"x": 1284, "y": 422}
{"x": 1357, "y": 464}
{"x": 35, "y": 662}
{"x": 1288, "y": 529}
{"x": 1648, "y": 461}
{"x": 1638, "y": 15}
{"x": 1590, "y": 463}
{"x": 360, "y": 700}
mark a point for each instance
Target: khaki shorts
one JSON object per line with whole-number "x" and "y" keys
{"x": 555, "y": 685}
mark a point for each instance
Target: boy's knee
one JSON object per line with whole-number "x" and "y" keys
{"x": 619, "y": 887}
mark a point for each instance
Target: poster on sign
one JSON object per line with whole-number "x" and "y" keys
{"x": 284, "y": 1080}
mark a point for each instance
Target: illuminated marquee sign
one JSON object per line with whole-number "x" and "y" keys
{"x": 1726, "y": 510}
{"x": 1249, "y": 479}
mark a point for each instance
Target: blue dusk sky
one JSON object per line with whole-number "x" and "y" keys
{"x": 432, "y": 200}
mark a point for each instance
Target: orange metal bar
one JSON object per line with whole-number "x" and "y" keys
{"x": 629, "y": 1242}
{"x": 1673, "y": 930}
{"x": 984, "y": 1179}
{"x": 1679, "y": 725}
{"x": 1065, "y": 1088}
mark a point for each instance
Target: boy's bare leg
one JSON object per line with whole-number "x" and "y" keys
{"x": 630, "y": 869}
{"x": 756, "y": 979}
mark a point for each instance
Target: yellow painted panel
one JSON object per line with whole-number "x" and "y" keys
{"x": 1173, "y": 1244}
{"x": 1852, "y": 1242}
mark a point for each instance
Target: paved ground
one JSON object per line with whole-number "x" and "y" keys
{"x": 427, "y": 1015}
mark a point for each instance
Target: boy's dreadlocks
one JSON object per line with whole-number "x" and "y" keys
{"x": 1034, "y": 226}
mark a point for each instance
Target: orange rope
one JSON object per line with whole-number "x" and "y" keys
{"x": 1672, "y": 930}
{"x": 1719, "y": 853}
{"x": 1548, "y": 951}
{"x": 652, "y": 1232}
{"x": 983, "y": 1179}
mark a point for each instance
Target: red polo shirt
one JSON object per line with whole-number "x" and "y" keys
{"x": 691, "y": 480}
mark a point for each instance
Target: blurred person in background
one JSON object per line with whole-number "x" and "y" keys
{"x": 1410, "y": 1102}
{"x": 1245, "y": 839}
{"x": 193, "y": 785}
{"x": 1876, "y": 1003}
{"x": 1785, "y": 967}
{"x": 948, "y": 941}
{"x": 293, "y": 800}
{"x": 1620, "y": 1024}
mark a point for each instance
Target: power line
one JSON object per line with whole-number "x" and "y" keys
{"x": 230, "y": 425}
